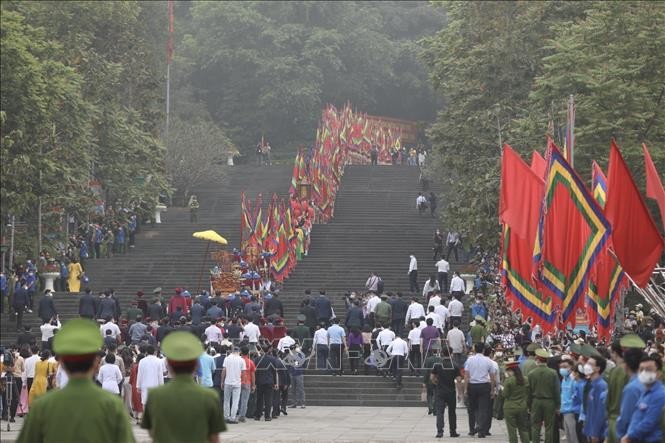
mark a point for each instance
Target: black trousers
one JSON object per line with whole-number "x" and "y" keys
{"x": 336, "y": 358}
{"x": 415, "y": 359}
{"x": 452, "y": 247}
{"x": 398, "y": 326}
{"x": 29, "y": 381}
{"x": 279, "y": 400}
{"x": 355, "y": 356}
{"x": 413, "y": 281}
{"x": 396, "y": 364}
{"x": 443, "y": 400}
{"x": 263, "y": 401}
{"x": 442, "y": 278}
{"x": 479, "y": 407}
{"x": 438, "y": 250}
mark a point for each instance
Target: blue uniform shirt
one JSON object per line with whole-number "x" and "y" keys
{"x": 595, "y": 425}
{"x": 569, "y": 405}
{"x": 336, "y": 334}
{"x": 207, "y": 368}
{"x": 631, "y": 394}
{"x": 579, "y": 397}
{"x": 645, "y": 423}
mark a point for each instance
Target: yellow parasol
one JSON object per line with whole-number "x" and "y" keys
{"x": 210, "y": 235}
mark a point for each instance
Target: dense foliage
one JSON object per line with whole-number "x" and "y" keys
{"x": 268, "y": 68}
{"x": 506, "y": 69}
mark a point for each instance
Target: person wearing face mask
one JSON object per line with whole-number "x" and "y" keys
{"x": 631, "y": 392}
{"x": 544, "y": 397}
{"x": 595, "y": 425}
{"x": 570, "y": 409}
{"x": 645, "y": 424}
{"x": 515, "y": 392}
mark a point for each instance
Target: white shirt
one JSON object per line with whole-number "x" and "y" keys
{"x": 429, "y": 287}
{"x": 213, "y": 334}
{"x": 385, "y": 337}
{"x": 457, "y": 284}
{"x": 115, "y": 330}
{"x": 29, "y": 366}
{"x": 442, "y": 266}
{"x": 372, "y": 283}
{"x": 109, "y": 376}
{"x": 435, "y": 318}
{"x": 456, "y": 340}
{"x": 434, "y": 301}
{"x": 398, "y": 347}
{"x": 479, "y": 368}
{"x": 453, "y": 237}
{"x": 47, "y": 330}
{"x": 285, "y": 343}
{"x": 150, "y": 375}
{"x": 413, "y": 264}
{"x": 414, "y": 337}
{"x": 61, "y": 378}
{"x": 372, "y": 302}
{"x": 455, "y": 307}
{"x": 252, "y": 332}
{"x": 415, "y": 310}
{"x": 321, "y": 337}
{"x": 234, "y": 365}
{"x": 420, "y": 200}
{"x": 443, "y": 313}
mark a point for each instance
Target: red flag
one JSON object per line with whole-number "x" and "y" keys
{"x": 655, "y": 188}
{"x": 521, "y": 194}
{"x": 169, "y": 44}
{"x": 637, "y": 242}
{"x": 538, "y": 164}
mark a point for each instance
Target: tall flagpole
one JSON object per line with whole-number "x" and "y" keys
{"x": 169, "y": 59}
{"x": 571, "y": 129}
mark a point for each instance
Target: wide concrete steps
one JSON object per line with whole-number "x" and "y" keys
{"x": 361, "y": 390}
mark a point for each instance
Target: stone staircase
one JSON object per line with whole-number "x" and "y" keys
{"x": 361, "y": 390}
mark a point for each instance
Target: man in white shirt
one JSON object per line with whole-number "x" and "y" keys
{"x": 47, "y": 331}
{"x": 213, "y": 334}
{"x": 434, "y": 300}
{"x": 443, "y": 314}
{"x": 442, "y": 268}
{"x": 252, "y": 333}
{"x": 372, "y": 283}
{"x": 457, "y": 344}
{"x": 398, "y": 350}
{"x": 29, "y": 366}
{"x": 150, "y": 373}
{"x": 453, "y": 241}
{"x": 413, "y": 274}
{"x": 479, "y": 387}
{"x": 285, "y": 342}
{"x": 232, "y": 370}
{"x": 456, "y": 308}
{"x": 415, "y": 357}
{"x": 436, "y": 320}
{"x": 414, "y": 311}
{"x": 457, "y": 286}
{"x": 372, "y": 302}
{"x": 421, "y": 202}
{"x": 385, "y": 338}
{"x": 109, "y": 325}
{"x": 320, "y": 346}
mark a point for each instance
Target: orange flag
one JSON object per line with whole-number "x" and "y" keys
{"x": 655, "y": 188}
{"x": 637, "y": 242}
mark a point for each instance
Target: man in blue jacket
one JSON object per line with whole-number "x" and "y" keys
{"x": 595, "y": 425}
{"x": 323, "y": 309}
{"x": 645, "y": 424}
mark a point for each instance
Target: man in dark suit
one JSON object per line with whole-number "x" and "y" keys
{"x": 46, "y": 309}
{"x": 273, "y": 306}
{"x": 20, "y": 303}
{"x": 88, "y": 305}
{"x": 156, "y": 310}
{"x": 323, "y": 308}
{"x": 399, "y": 312}
{"x": 197, "y": 312}
{"x": 354, "y": 316}
{"x": 106, "y": 307}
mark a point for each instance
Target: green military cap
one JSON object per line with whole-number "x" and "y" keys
{"x": 632, "y": 341}
{"x": 78, "y": 337}
{"x": 540, "y": 352}
{"x": 575, "y": 349}
{"x": 301, "y": 317}
{"x": 589, "y": 351}
{"x": 181, "y": 346}
{"x": 157, "y": 290}
{"x": 479, "y": 318}
{"x": 532, "y": 347}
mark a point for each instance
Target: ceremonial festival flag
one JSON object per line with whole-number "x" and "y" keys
{"x": 572, "y": 232}
{"x": 655, "y": 188}
{"x": 538, "y": 164}
{"x": 637, "y": 243}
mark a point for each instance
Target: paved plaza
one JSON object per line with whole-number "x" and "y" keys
{"x": 319, "y": 424}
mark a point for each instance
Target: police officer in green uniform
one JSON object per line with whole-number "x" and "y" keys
{"x": 478, "y": 333}
{"x": 544, "y": 397}
{"x": 431, "y": 360}
{"x": 181, "y": 410}
{"x": 530, "y": 363}
{"x": 515, "y": 395}
{"x": 81, "y": 411}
